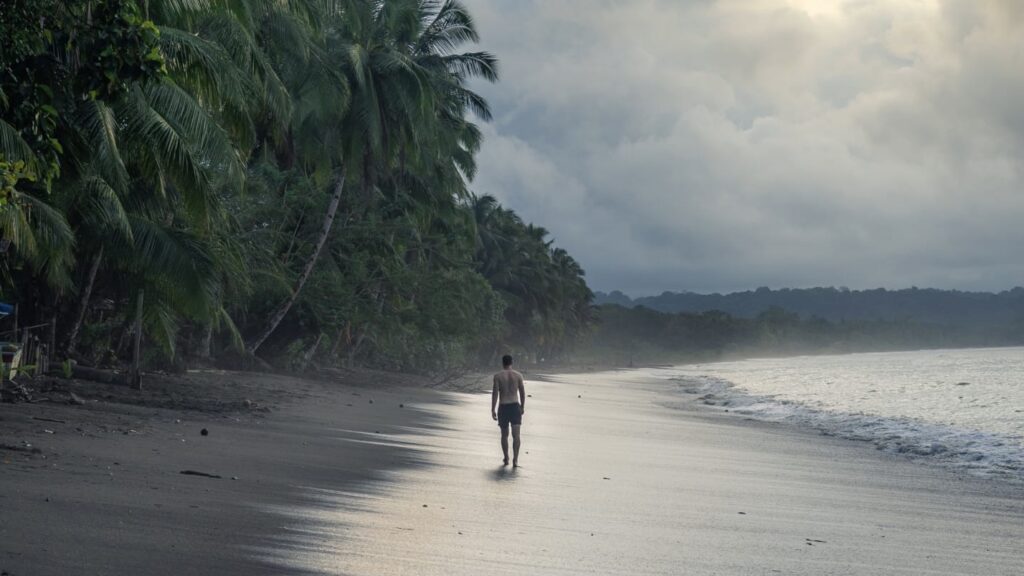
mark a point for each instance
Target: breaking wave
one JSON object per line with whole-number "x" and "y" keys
{"x": 981, "y": 453}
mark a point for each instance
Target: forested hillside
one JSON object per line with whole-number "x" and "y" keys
{"x": 286, "y": 180}
{"x": 948, "y": 307}
{"x": 640, "y": 335}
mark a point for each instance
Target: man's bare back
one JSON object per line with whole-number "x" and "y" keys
{"x": 508, "y": 383}
{"x": 508, "y": 404}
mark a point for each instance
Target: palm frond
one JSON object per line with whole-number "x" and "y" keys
{"x": 206, "y": 67}
{"x": 47, "y": 239}
{"x": 448, "y": 29}
{"x": 160, "y": 321}
{"x": 189, "y": 147}
{"x": 99, "y": 126}
{"x": 472, "y": 65}
{"x": 13, "y": 147}
{"x": 181, "y": 257}
{"x": 248, "y": 56}
{"x": 101, "y": 208}
{"x": 15, "y": 227}
{"x": 175, "y": 11}
{"x": 225, "y": 321}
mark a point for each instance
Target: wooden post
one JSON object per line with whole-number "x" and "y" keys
{"x": 20, "y": 357}
{"x": 38, "y": 353}
{"x": 134, "y": 375}
{"x": 51, "y": 343}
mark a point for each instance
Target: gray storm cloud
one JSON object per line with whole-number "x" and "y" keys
{"x": 713, "y": 146}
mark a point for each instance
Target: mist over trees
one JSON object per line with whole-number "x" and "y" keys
{"x": 641, "y": 335}
{"x": 674, "y": 327}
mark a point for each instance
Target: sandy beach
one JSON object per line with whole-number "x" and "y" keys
{"x": 617, "y": 478}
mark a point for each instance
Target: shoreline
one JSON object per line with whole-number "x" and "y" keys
{"x": 880, "y": 409}
{"x": 329, "y": 482}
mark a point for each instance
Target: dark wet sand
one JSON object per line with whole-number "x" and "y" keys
{"x": 613, "y": 482}
{"x": 105, "y": 495}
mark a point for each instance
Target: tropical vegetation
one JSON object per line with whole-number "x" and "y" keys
{"x": 263, "y": 181}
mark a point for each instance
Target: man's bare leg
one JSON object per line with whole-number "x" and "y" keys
{"x": 515, "y": 447}
{"x": 504, "y": 442}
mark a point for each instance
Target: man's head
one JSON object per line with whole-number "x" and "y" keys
{"x": 506, "y": 361}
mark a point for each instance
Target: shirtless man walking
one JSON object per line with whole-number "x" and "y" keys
{"x": 508, "y": 384}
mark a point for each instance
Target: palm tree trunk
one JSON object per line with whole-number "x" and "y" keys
{"x": 325, "y": 231}
{"x": 83, "y": 304}
{"x": 206, "y": 344}
{"x": 337, "y": 340}
{"x": 295, "y": 235}
{"x": 134, "y": 376}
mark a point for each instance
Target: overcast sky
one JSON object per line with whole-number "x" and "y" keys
{"x": 724, "y": 145}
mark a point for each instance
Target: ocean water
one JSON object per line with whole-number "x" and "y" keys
{"x": 957, "y": 408}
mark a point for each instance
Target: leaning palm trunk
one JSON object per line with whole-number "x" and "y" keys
{"x": 325, "y": 231}
{"x": 83, "y": 304}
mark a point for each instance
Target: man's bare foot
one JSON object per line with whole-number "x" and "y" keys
{"x": 515, "y": 464}
{"x": 504, "y": 462}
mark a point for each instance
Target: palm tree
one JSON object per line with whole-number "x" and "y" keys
{"x": 399, "y": 59}
{"x": 148, "y": 167}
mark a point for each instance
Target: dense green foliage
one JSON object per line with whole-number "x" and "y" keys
{"x": 640, "y": 335}
{"x": 287, "y": 179}
{"x": 56, "y": 56}
{"x": 948, "y": 307}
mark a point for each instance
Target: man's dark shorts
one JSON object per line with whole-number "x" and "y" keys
{"x": 510, "y": 414}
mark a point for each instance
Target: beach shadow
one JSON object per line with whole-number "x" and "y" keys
{"x": 503, "y": 473}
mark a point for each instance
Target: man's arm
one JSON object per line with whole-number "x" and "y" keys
{"x": 494, "y": 399}
{"x": 522, "y": 396}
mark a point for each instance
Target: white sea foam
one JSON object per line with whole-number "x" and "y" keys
{"x": 958, "y": 408}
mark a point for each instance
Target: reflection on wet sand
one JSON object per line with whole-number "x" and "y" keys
{"x": 616, "y": 483}
{"x": 504, "y": 473}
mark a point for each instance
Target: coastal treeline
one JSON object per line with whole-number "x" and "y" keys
{"x": 640, "y": 335}
{"x": 285, "y": 180}
{"x": 926, "y": 305}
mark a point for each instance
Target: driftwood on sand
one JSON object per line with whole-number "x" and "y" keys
{"x": 97, "y": 374}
